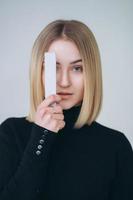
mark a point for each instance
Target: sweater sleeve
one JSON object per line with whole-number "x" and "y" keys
{"x": 123, "y": 184}
{"x": 24, "y": 178}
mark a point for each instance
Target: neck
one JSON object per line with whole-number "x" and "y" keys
{"x": 71, "y": 115}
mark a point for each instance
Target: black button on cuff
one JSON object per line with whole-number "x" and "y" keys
{"x": 45, "y": 131}
{"x": 43, "y": 136}
{"x": 39, "y": 147}
{"x": 41, "y": 141}
{"x": 38, "y": 152}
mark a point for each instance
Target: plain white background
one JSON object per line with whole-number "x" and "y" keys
{"x": 111, "y": 23}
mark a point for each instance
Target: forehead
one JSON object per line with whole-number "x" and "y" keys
{"x": 65, "y": 50}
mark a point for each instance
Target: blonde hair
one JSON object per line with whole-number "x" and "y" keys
{"x": 84, "y": 39}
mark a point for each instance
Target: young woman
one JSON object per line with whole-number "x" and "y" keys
{"x": 61, "y": 152}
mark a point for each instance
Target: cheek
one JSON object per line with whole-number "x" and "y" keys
{"x": 79, "y": 83}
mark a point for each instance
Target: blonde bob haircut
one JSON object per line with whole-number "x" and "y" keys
{"x": 84, "y": 39}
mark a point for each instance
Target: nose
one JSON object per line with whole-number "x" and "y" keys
{"x": 63, "y": 79}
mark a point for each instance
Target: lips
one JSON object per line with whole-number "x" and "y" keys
{"x": 64, "y": 93}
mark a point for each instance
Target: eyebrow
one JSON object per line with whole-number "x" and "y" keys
{"x": 73, "y": 62}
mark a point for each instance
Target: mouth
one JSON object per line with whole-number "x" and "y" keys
{"x": 64, "y": 95}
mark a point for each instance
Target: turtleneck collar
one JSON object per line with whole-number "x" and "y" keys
{"x": 71, "y": 115}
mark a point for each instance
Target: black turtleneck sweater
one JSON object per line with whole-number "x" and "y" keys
{"x": 90, "y": 163}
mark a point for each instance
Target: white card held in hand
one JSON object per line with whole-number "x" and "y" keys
{"x": 50, "y": 73}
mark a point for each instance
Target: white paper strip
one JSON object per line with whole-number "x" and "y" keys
{"x": 50, "y": 73}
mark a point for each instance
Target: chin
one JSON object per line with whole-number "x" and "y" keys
{"x": 66, "y": 106}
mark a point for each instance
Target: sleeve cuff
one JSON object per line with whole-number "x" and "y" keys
{"x": 40, "y": 142}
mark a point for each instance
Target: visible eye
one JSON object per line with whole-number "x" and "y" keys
{"x": 77, "y": 68}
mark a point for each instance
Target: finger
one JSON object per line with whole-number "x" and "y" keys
{"x": 61, "y": 125}
{"x": 50, "y": 100}
{"x": 55, "y": 109}
{"x": 47, "y": 118}
{"x": 58, "y": 116}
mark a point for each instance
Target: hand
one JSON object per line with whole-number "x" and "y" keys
{"x": 49, "y": 114}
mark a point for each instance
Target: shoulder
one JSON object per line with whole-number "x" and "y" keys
{"x": 111, "y": 136}
{"x": 15, "y": 122}
{"x": 15, "y": 128}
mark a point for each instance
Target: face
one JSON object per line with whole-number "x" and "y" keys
{"x": 69, "y": 73}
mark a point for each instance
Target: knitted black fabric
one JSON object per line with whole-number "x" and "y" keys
{"x": 90, "y": 163}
